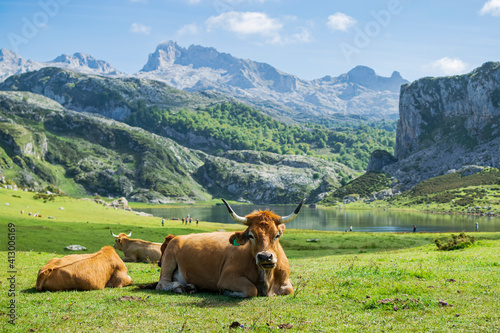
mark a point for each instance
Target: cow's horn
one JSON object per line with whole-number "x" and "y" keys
{"x": 235, "y": 216}
{"x": 290, "y": 217}
{"x": 130, "y": 233}
{"x": 113, "y": 234}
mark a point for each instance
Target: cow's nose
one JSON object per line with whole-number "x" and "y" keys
{"x": 264, "y": 257}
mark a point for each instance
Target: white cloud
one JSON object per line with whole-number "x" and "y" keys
{"x": 138, "y": 28}
{"x": 246, "y": 23}
{"x": 304, "y": 36}
{"x": 189, "y": 29}
{"x": 449, "y": 66}
{"x": 340, "y": 22}
{"x": 491, "y": 7}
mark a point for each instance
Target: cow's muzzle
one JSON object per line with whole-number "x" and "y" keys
{"x": 266, "y": 260}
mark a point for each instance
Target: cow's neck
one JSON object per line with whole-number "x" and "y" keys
{"x": 266, "y": 278}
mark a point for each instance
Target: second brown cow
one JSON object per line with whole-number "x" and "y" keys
{"x": 137, "y": 250}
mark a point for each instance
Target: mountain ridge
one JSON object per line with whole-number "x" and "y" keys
{"x": 12, "y": 64}
{"x": 360, "y": 92}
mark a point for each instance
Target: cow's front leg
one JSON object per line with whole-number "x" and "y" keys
{"x": 237, "y": 286}
{"x": 285, "y": 289}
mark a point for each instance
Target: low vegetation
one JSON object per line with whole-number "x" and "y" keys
{"x": 457, "y": 242}
{"x": 460, "y": 192}
{"x": 244, "y": 128}
{"x": 368, "y": 183}
{"x": 345, "y": 282}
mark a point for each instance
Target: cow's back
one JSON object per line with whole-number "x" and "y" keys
{"x": 142, "y": 250}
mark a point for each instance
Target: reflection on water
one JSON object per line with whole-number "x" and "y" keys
{"x": 340, "y": 220}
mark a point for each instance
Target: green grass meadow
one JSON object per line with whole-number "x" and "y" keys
{"x": 345, "y": 282}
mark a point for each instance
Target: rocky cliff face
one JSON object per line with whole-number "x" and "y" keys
{"x": 447, "y": 123}
{"x": 461, "y": 109}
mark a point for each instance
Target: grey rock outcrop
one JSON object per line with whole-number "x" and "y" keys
{"x": 263, "y": 177}
{"x": 463, "y": 109}
{"x": 448, "y": 123}
{"x": 379, "y": 159}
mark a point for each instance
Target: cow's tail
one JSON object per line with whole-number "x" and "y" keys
{"x": 164, "y": 246}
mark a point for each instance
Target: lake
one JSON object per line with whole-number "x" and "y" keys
{"x": 340, "y": 220}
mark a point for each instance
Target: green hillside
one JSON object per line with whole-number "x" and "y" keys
{"x": 43, "y": 144}
{"x": 52, "y": 147}
{"x": 203, "y": 120}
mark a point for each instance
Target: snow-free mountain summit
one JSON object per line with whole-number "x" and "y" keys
{"x": 359, "y": 92}
{"x": 12, "y": 64}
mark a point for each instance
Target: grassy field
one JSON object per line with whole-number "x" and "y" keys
{"x": 346, "y": 282}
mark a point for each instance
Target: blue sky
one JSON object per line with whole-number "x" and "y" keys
{"x": 309, "y": 39}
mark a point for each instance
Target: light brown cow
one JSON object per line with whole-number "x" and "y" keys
{"x": 84, "y": 272}
{"x": 242, "y": 264}
{"x": 137, "y": 250}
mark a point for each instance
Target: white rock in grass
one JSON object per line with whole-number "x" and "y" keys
{"x": 75, "y": 248}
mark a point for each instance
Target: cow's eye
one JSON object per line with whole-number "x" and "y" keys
{"x": 277, "y": 236}
{"x": 250, "y": 236}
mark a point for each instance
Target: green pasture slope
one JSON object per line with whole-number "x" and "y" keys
{"x": 346, "y": 282}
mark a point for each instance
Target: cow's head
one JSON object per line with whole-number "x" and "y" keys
{"x": 264, "y": 228}
{"x": 119, "y": 239}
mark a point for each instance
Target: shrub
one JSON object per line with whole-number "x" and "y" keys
{"x": 44, "y": 197}
{"x": 456, "y": 242}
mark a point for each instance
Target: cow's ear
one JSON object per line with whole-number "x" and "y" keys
{"x": 238, "y": 238}
{"x": 281, "y": 228}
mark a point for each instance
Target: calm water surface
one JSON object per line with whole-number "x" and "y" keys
{"x": 340, "y": 220}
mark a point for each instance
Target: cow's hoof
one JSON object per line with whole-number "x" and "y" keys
{"x": 178, "y": 290}
{"x": 175, "y": 287}
{"x": 190, "y": 289}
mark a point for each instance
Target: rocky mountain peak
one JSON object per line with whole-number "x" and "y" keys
{"x": 366, "y": 77}
{"x": 361, "y": 75}
{"x": 11, "y": 64}
{"x": 170, "y": 53}
{"x": 83, "y": 60}
{"x": 6, "y": 55}
{"x": 164, "y": 56}
{"x": 397, "y": 76}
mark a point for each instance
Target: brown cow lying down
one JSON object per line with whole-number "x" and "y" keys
{"x": 137, "y": 250}
{"x": 84, "y": 272}
{"x": 242, "y": 264}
